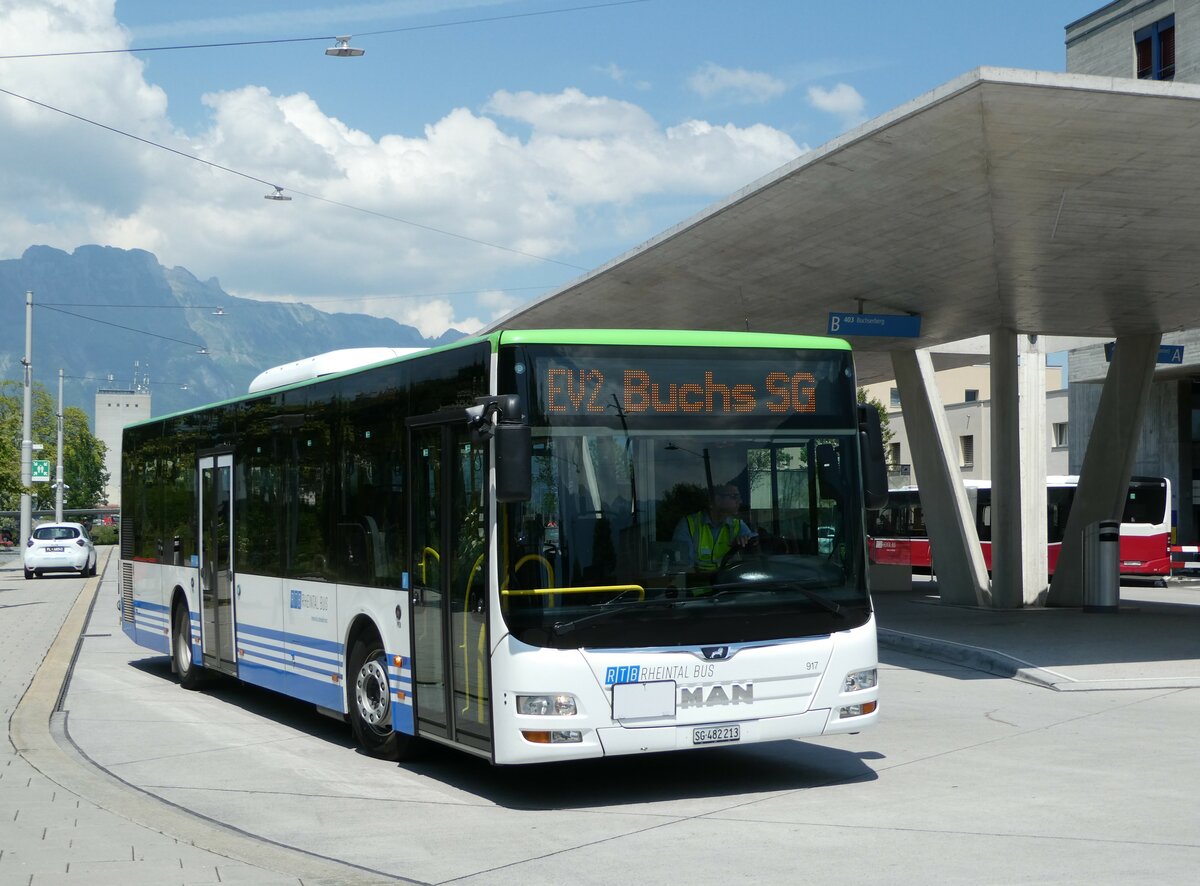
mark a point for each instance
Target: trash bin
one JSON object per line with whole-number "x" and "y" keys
{"x": 1101, "y": 567}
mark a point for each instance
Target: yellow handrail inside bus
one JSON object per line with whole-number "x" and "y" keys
{"x": 424, "y": 553}
{"x": 465, "y": 629}
{"x": 540, "y": 559}
{"x": 541, "y": 592}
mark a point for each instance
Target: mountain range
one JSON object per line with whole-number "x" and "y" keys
{"x": 112, "y": 317}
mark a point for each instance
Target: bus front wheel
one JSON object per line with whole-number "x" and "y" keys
{"x": 181, "y": 647}
{"x": 371, "y": 701}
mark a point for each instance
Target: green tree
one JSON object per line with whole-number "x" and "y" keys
{"x": 885, "y": 424}
{"x": 83, "y": 453}
{"x": 83, "y": 461}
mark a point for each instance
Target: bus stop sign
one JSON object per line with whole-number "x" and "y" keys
{"x": 889, "y": 325}
{"x": 1166, "y": 353}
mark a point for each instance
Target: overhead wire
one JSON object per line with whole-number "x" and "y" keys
{"x": 179, "y": 341}
{"x": 279, "y": 188}
{"x": 234, "y": 43}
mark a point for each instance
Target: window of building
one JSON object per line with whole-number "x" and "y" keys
{"x": 1154, "y": 50}
{"x": 895, "y": 397}
{"x": 894, "y": 454}
{"x": 966, "y": 451}
{"x": 970, "y": 395}
{"x": 1060, "y": 433}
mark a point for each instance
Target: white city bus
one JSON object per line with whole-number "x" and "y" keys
{"x": 473, "y": 545}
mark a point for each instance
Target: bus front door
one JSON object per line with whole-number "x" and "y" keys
{"x": 449, "y": 580}
{"x": 215, "y": 544}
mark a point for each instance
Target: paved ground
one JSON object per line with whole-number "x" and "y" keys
{"x": 63, "y": 820}
{"x": 1151, "y": 642}
{"x": 968, "y": 779}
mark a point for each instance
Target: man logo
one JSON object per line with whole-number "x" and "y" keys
{"x": 738, "y": 693}
{"x": 715, "y": 653}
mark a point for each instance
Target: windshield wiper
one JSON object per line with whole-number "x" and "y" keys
{"x": 738, "y": 588}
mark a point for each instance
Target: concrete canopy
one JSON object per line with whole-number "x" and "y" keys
{"x": 1055, "y": 204}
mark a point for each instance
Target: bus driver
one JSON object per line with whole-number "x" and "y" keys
{"x": 709, "y": 535}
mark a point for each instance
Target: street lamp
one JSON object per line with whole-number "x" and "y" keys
{"x": 343, "y": 49}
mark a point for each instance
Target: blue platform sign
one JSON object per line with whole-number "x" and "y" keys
{"x": 890, "y": 325}
{"x": 1166, "y": 353}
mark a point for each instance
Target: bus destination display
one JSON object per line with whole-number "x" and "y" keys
{"x": 662, "y": 388}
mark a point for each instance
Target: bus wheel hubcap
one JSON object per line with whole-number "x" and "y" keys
{"x": 372, "y": 693}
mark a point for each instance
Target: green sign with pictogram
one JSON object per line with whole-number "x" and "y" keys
{"x": 40, "y": 472}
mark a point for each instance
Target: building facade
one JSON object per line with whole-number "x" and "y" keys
{"x": 1149, "y": 40}
{"x": 966, "y": 395}
{"x": 116, "y": 408}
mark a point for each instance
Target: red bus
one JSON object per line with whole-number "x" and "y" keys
{"x": 897, "y": 534}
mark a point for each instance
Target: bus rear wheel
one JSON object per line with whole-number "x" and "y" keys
{"x": 190, "y": 673}
{"x": 371, "y": 702}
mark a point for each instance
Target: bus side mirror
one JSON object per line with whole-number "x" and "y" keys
{"x": 874, "y": 467}
{"x": 501, "y": 420}
{"x": 513, "y": 446}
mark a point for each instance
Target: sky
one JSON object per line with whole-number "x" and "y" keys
{"x": 480, "y": 153}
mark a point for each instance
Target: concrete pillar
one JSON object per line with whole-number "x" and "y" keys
{"x": 1019, "y": 566}
{"x": 961, "y": 573}
{"x": 1108, "y": 461}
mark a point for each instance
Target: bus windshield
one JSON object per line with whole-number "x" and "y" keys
{"x": 670, "y": 528}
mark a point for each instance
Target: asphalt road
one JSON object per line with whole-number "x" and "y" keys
{"x": 969, "y": 778}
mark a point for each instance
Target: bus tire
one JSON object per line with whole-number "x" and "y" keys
{"x": 190, "y": 673}
{"x": 371, "y": 700}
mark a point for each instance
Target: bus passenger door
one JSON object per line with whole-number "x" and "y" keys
{"x": 449, "y": 580}
{"x": 215, "y": 544}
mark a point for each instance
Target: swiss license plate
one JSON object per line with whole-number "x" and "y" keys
{"x": 715, "y": 734}
{"x": 55, "y": 549}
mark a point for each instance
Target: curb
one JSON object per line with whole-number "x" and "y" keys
{"x": 977, "y": 658}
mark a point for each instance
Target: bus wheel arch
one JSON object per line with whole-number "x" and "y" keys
{"x": 190, "y": 674}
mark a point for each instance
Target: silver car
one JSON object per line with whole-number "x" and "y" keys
{"x": 59, "y": 547}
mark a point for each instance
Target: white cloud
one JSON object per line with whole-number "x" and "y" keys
{"x": 571, "y": 113}
{"x": 432, "y": 318}
{"x": 843, "y": 101}
{"x": 579, "y": 172}
{"x": 749, "y": 87}
{"x": 619, "y": 75}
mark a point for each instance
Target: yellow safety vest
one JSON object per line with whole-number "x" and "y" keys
{"x": 710, "y": 550}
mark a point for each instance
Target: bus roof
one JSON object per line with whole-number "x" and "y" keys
{"x": 669, "y": 338}
{"x": 660, "y": 337}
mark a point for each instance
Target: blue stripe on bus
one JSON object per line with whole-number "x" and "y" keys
{"x": 289, "y": 637}
{"x": 270, "y": 671}
{"x": 150, "y": 639}
{"x": 245, "y": 642}
{"x": 149, "y": 627}
{"x": 402, "y": 718}
{"x": 325, "y": 693}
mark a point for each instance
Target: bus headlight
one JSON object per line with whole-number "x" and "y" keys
{"x": 547, "y": 705}
{"x": 857, "y": 710}
{"x": 568, "y": 736}
{"x": 856, "y": 680}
